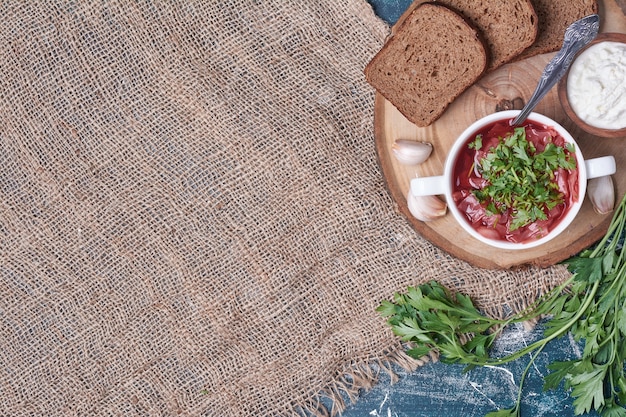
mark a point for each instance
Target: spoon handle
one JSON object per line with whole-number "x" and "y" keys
{"x": 577, "y": 35}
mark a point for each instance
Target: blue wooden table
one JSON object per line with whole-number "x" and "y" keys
{"x": 437, "y": 389}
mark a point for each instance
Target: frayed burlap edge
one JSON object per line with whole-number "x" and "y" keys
{"x": 358, "y": 377}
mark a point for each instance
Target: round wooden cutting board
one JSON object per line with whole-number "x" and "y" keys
{"x": 506, "y": 88}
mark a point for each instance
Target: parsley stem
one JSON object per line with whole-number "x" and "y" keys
{"x": 541, "y": 306}
{"x": 523, "y": 377}
{"x": 539, "y": 344}
{"x": 615, "y": 230}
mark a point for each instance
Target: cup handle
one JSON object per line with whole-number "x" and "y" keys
{"x": 600, "y": 167}
{"x": 428, "y": 186}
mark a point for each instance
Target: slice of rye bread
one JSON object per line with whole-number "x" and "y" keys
{"x": 508, "y": 26}
{"x": 553, "y": 18}
{"x": 430, "y": 60}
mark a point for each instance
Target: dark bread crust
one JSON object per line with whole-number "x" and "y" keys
{"x": 433, "y": 57}
{"x": 508, "y": 26}
{"x": 553, "y": 18}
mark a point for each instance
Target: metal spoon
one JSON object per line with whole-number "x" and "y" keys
{"x": 577, "y": 35}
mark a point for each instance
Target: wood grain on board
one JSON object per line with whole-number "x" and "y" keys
{"x": 506, "y": 88}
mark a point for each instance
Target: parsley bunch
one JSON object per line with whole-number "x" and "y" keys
{"x": 591, "y": 305}
{"x": 520, "y": 179}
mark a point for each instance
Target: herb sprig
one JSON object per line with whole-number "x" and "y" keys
{"x": 590, "y": 304}
{"x": 520, "y": 179}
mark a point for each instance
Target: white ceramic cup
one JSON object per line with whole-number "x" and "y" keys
{"x": 442, "y": 184}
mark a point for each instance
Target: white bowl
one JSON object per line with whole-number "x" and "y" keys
{"x": 442, "y": 185}
{"x": 564, "y": 85}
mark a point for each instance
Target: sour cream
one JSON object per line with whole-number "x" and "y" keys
{"x": 596, "y": 85}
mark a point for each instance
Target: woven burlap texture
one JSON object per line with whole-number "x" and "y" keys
{"x": 192, "y": 218}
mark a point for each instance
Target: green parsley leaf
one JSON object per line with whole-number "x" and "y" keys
{"x": 386, "y": 308}
{"x": 477, "y": 143}
{"x": 588, "y": 390}
{"x": 560, "y": 371}
{"x": 620, "y": 320}
{"x": 588, "y": 269}
{"x": 509, "y": 412}
{"x": 418, "y": 352}
{"x": 614, "y": 410}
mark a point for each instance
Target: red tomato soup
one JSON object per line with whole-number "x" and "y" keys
{"x": 515, "y": 185}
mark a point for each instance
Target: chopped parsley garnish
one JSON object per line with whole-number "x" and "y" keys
{"x": 520, "y": 179}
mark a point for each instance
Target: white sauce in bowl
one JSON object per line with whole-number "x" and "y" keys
{"x": 596, "y": 85}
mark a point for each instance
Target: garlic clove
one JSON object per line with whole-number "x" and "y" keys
{"x": 410, "y": 152}
{"x": 426, "y": 208}
{"x": 601, "y": 192}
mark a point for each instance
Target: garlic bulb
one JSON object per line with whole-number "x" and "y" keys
{"x": 410, "y": 152}
{"x": 601, "y": 192}
{"x": 426, "y": 208}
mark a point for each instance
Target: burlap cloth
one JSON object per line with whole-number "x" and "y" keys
{"x": 192, "y": 218}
